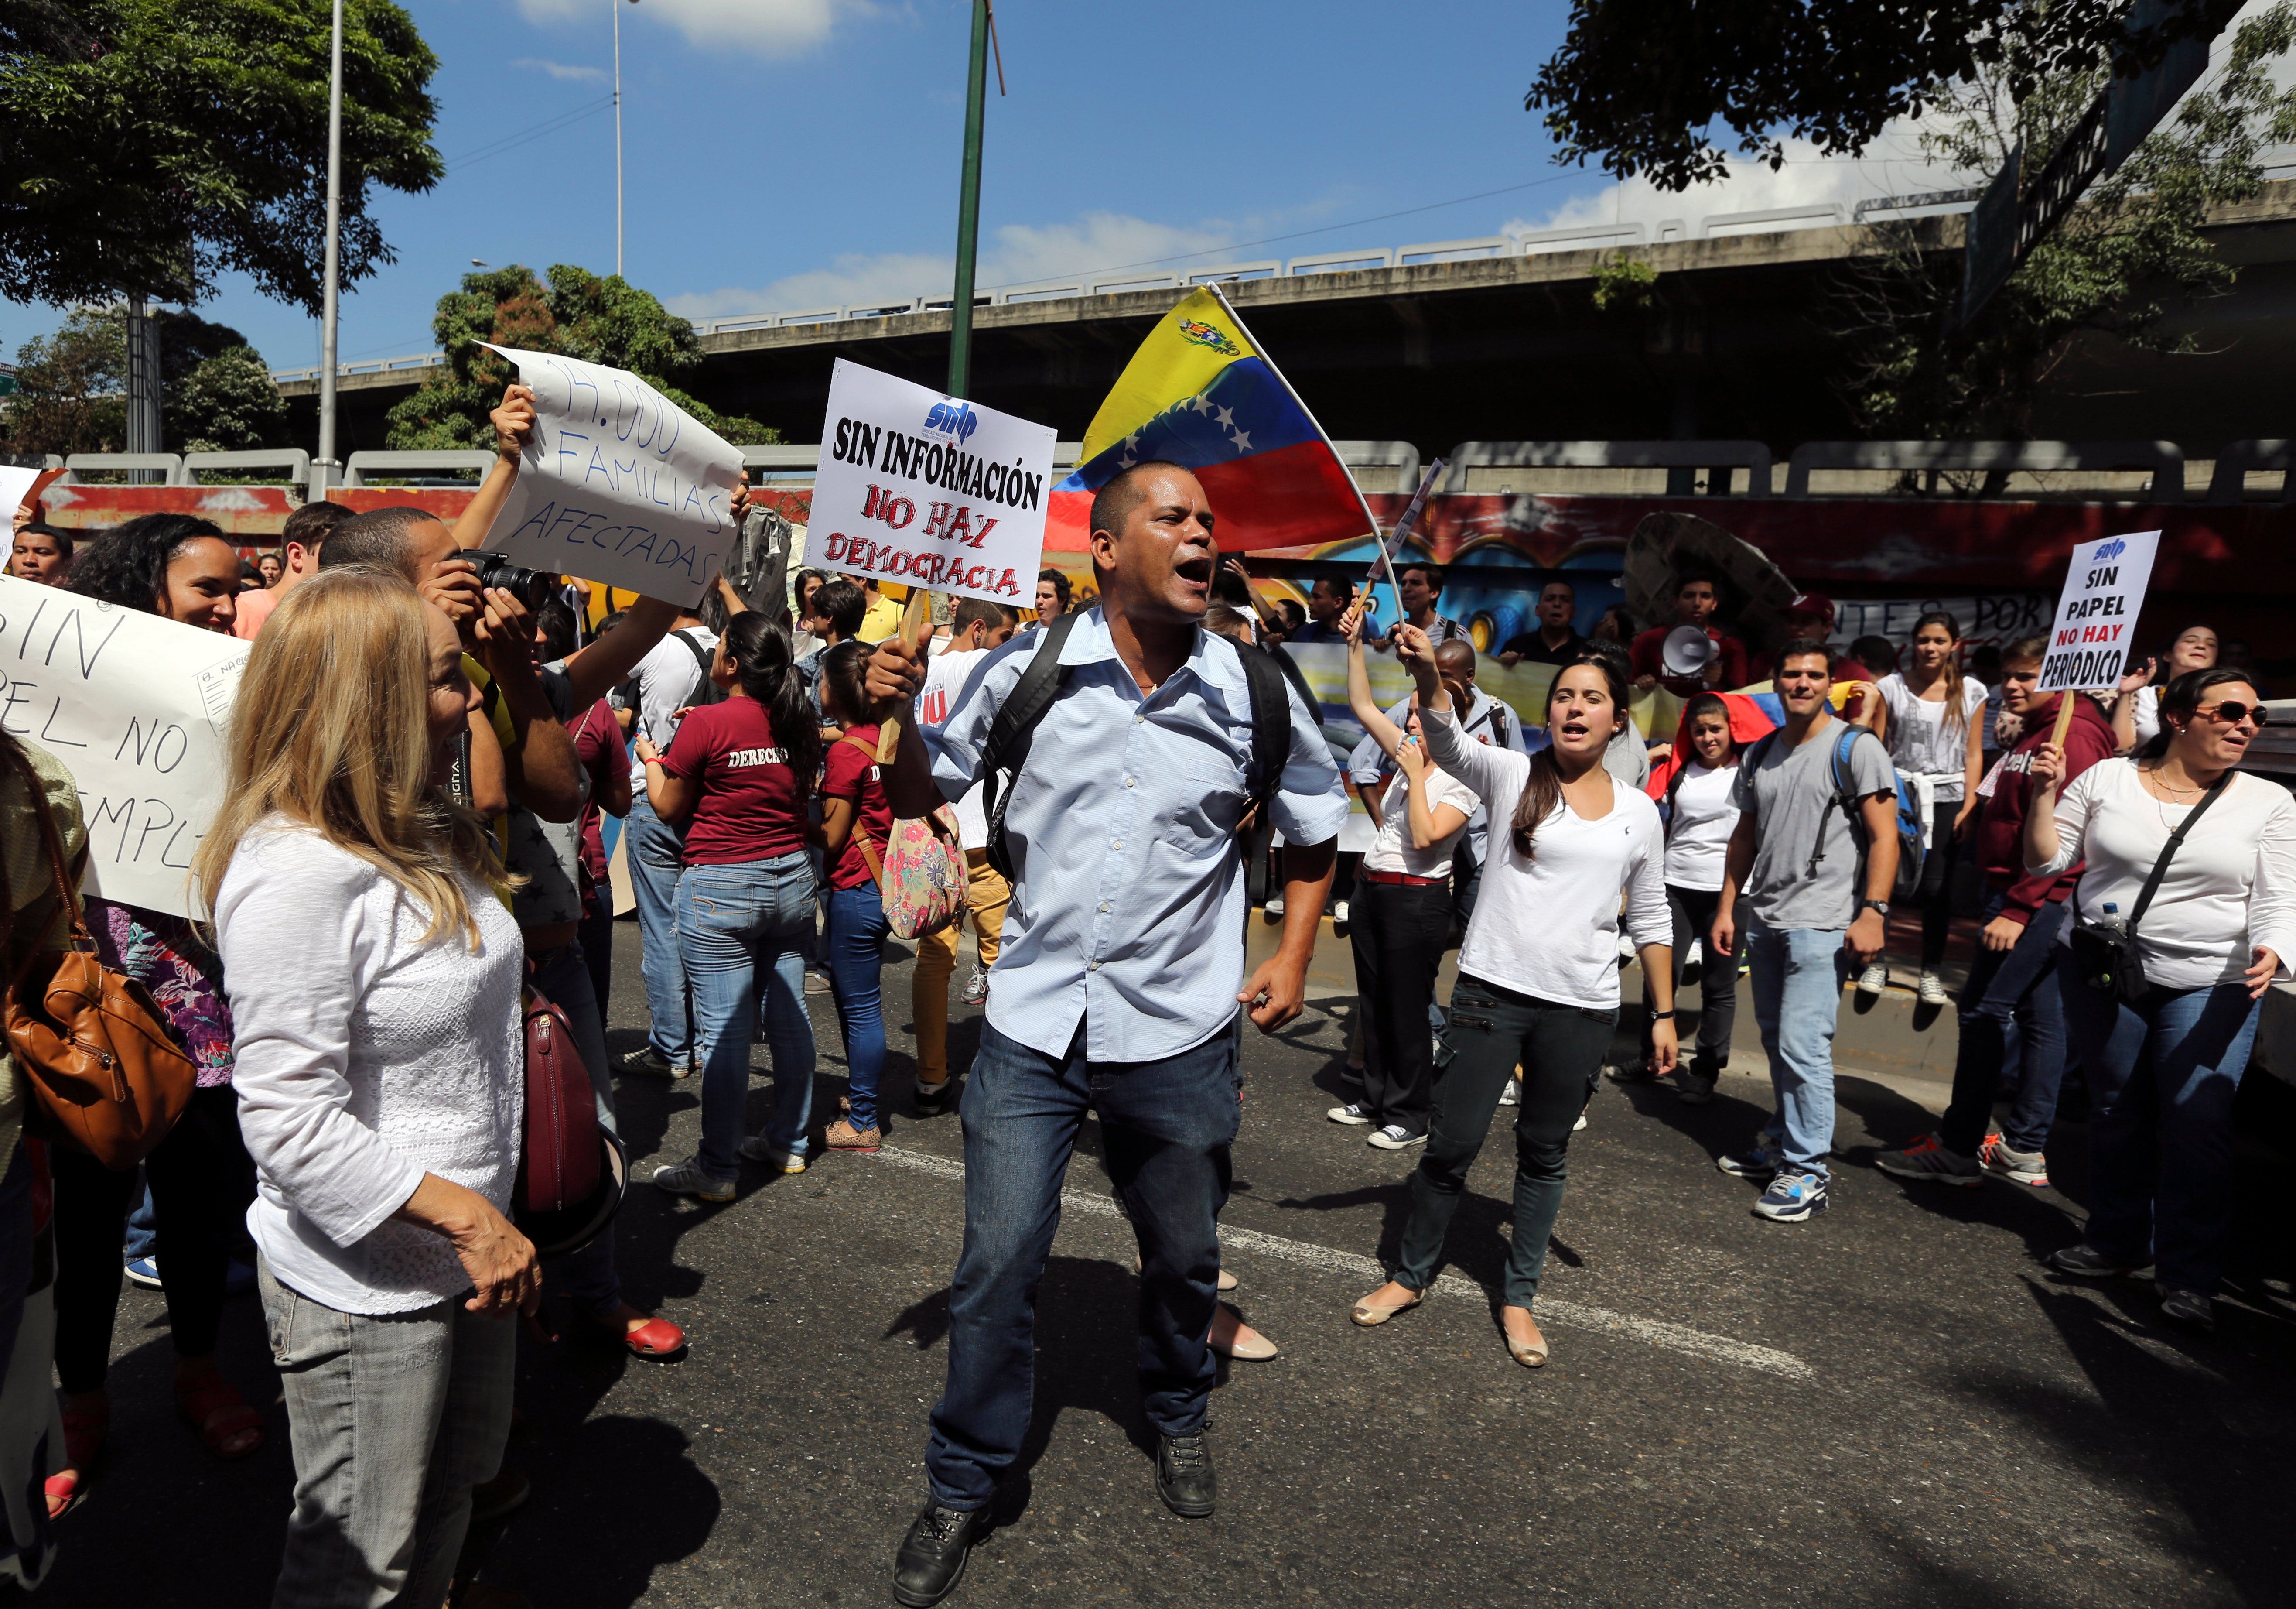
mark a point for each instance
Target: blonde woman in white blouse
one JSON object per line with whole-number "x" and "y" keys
{"x": 2162, "y": 1071}
{"x": 1930, "y": 718}
{"x": 374, "y": 973}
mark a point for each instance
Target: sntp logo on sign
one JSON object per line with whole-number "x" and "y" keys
{"x": 2104, "y": 592}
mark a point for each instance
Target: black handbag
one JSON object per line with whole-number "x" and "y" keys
{"x": 2107, "y": 957}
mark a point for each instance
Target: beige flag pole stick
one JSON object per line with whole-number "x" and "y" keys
{"x": 916, "y": 636}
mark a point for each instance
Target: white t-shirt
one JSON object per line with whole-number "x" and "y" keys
{"x": 2232, "y": 885}
{"x": 1920, "y": 743}
{"x": 947, "y": 676}
{"x": 667, "y": 679}
{"x": 1705, "y": 815}
{"x": 1391, "y": 850}
{"x": 1549, "y": 927}
{"x": 2144, "y": 721}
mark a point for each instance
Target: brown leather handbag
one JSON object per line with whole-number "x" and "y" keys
{"x": 95, "y": 1051}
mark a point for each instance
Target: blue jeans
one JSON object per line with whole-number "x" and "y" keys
{"x": 1166, "y": 1128}
{"x": 143, "y": 1228}
{"x": 562, "y": 976}
{"x": 2162, "y": 1076}
{"x": 1798, "y": 976}
{"x": 857, "y": 939}
{"x": 2013, "y": 989}
{"x": 657, "y": 855}
{"x": 743, "y": 927}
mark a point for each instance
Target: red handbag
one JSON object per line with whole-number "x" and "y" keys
{"x": 558, "y": 1164}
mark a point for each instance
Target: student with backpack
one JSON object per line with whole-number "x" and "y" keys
{"x": 1815, "y": 858}
{"x": 733, "y": 786}
{"x": 1138, "y": 744}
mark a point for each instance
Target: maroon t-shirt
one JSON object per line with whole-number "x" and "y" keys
{"x": 752, "y": 805}
{"x": 850, "y": 774}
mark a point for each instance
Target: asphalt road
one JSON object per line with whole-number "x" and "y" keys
{"x": 1894, "y": 1404}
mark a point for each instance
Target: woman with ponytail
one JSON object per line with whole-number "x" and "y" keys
{"x": 1538, "y": 974}
{"x": 737, "y": 775}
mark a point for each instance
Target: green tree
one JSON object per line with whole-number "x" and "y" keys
{"x": 575, "y": 313}
{"x": 2117, "y": 266}
{"x": 151, "y": 144}
{"x": 1642, "y": 85}
{"x": 226, "y": 403}
{"x": 71, "y": 387}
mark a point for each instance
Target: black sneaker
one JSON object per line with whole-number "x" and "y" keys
{"x": 934, "y": 1099}
{"x": 647, "y": 1062}
{"x": 1183, "y": 1475}
{"x": 2086, "y": 1262}
{"x": 931, "y": 1560}
{"x": 2189, "y": 1308}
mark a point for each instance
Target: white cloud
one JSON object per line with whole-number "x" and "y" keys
{"x": 1015, "y": 254}
{"x": 562, "y": 70}
{"x": 765, "y": 28}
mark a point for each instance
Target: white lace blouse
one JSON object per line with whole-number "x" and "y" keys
{"x": 364, "y": 1057}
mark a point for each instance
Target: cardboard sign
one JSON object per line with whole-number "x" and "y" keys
{"x": 135, "y": 707}
{"x": 2104, "y": 592}
{"x": 931, "y": 491}
{"x": 618, "y": 486}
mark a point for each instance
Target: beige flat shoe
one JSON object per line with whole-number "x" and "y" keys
{"x": 1530, "y": 1353}
{"x": 1368, "y": 1312}
{"x": 1231, "y": 1337}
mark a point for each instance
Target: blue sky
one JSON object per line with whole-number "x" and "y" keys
{"x": 793, "y": 153}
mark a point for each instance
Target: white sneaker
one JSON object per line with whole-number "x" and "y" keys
{"x": 1353, "y": 1114}
{"x": 1394, "y": 1138}
{"x": 1511, "y": 1096}
{"x": 1693, "y": 955}
{"x": 1339, "y": 913}
{"x": 1274, "y": 906}
{"x": 1874, "y": 979}
{"x": 1626, "y": 948}
{"x": 687, "y": 1179}
{"x": 755, "y": 1149}
{"x": 1582, "y": 1123}
{"x": 1932, "y": 989}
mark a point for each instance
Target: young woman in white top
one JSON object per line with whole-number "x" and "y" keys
{"x": 2162, "y": 1071}
{"x": 374, "y": 971}
{"x": 2136, "y": 711}
{"x": 1399, "y": 915}
{"x": 1539, "y": 975}
{"x": 1930, "y": 719}
{"x": 1703, "y": 816}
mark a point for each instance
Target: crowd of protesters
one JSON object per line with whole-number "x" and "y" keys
{"x": 412, "y": 836}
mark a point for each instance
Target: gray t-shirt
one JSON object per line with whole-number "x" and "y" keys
{"x": 1790, "y": 795}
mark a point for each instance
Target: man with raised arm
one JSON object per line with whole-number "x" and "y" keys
{"x": 1120, "y": 976}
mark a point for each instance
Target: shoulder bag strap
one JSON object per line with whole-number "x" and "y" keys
{"x": 67, "y": 896}
{"x": 868, "y": 850}
{"x": 1271, "y": 724}
{"x": 1013, "y": 730}
{"x": 2169, "y": 850}
{"x": 701, "y": 661}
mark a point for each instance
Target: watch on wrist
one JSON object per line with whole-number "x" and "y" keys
{"x": 1662, "y": 1016}
{"x": 1882, "y": 906}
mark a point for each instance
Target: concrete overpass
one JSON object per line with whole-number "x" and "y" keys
{"x": 1510, "y": 346}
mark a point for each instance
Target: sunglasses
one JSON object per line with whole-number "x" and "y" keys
{"x": 2231, "y": 711}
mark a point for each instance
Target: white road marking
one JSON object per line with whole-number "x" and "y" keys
{"x": 1674, "y": 1337}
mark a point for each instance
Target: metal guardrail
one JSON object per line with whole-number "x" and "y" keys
{"x": 2238, "y": 459}
{"x": 1751, "y": 456}
{"x": 167, "y": 465}
{"x": 294, "y": 459}
{"x": 394, "y": 466}
{"x": 2164, "y": 459}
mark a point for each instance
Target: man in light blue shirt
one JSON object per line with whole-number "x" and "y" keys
{"x": 1118, "y": 984}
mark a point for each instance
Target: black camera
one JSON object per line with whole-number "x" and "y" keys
{"x": 531, "y": 587}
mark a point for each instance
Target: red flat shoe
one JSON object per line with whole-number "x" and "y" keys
{"x": 221, "y": 1416}
{"x": 657, "y": 1340}
{"x": 84, "y": 1433}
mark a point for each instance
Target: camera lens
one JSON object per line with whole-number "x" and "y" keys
{"x": 531, "y": 587}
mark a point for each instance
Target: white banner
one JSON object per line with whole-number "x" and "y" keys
{"x": 135, "y": 706}
{"x": 2104, "y": 592}
{"x": 924, "y": 489}
{"x": 618, "y": 486}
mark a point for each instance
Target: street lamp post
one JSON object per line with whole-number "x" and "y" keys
{"x": 968, "y": 207}
{"x": 617, "y": 135}
{"x": 322, "y": 470}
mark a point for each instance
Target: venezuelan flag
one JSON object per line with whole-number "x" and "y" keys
{"x": 1199, "y": 392}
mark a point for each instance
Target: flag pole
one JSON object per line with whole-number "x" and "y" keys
{"x": 1370, "y": 521}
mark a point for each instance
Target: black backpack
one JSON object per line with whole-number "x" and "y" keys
{"x": 1042, "y": 683}
{"x": 708, "y": 692}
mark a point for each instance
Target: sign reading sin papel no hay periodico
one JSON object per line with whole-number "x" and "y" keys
{"x": 2096, "y": 613}
{"x": 929, "y": 490}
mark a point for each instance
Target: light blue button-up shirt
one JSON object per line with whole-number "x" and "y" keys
{"x": 1128, "y": 913}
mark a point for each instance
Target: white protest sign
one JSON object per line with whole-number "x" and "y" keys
{"x": 618, "y": 486}
{"x": 918, "y": 487}
{"x": 2105, "y": 590}
{"x": 135, "y": 707}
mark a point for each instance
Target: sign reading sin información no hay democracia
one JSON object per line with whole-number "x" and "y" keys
{"x": 929, "y": 490}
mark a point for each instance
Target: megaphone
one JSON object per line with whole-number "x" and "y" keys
{"x": 1688, "y": 651}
